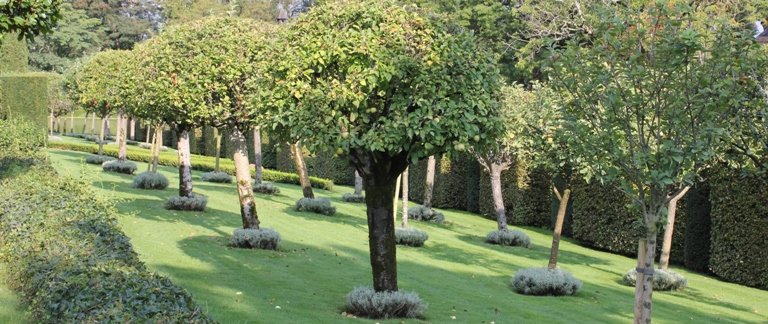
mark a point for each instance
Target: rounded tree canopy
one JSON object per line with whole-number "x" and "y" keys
{"x": 29, "y": 17}
{"x": 98, "y": 85}
{"x": 380, "y": 77}
{"x": 203, "y": 72}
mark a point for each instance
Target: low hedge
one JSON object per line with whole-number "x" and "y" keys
{"x": 72, "y": 263}
{"x": 199, "y": 162}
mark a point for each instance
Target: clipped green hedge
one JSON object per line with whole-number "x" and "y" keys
{"x": 13, "y": 54}
{"x": 526, "y": 196}
{"x": 199, "y": 162}
{"x": 25, "y": 96}
{"x": 321, "y": 164}
{"x": 739, "y": 247}
{"x": 697, "y": 228}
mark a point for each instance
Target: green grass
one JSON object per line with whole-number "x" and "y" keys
{"x": 322, "y": 258}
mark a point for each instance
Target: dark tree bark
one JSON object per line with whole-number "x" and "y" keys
{"x": 429, "y": 184}
{"x": 257, "y": 155}
{"x": 301, "y": 170}
{"x": 185, "y": 165}
{"x": 358, "y": 184}
{"x": 243, "y": 178}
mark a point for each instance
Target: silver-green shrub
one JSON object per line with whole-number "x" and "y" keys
{"x": 316, "y": 205}
{"x": 150, "y": 180}
{"x": 249, "y": 238}
{"x": 266, "y": 188}
{"x": 509, "y": 238}
{"x": 662, "y": 280}
{"x": 421, "y": 213}
{"x": 545, "y": 282}
{"x": 366, "y": 302}
{"x": 219, "y": 177}
{"x": 194, "y": 203}
{"x": 353, "y": 198}
{"x": 95, "y": 159}
{"x": 410, "y": 236}
{"x": 126, "y": 167}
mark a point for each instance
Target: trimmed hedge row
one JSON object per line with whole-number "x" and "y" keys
{"x": 199, "y": 162}
{"x": 13, "y": 54}
{"x": 527, "y": 197}
{"x": 71, "y": 261}
{"x": 25, "y": 96}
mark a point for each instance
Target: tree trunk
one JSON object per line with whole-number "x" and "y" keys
{"x": 558, "y": 227}
{"x": 101, "y": 135}
{"x": 666, "y": 246}
{"x": 93, "y": 123}
{"x": 644, "y": 286}
{"x": 397, "y": 194}
{"x": 58, "y": 125}
{"x": 85, "y": 122}
{"x": 257, "y": 155}
{"x": 132, "y": 132}
{"x": 405, "y": 199}
{"x": 185, "y": 167}
{"x": 121, "y": 136}
{"x": 379, "y": 196}
{"x": 358, "y": 184}
{"x": 301, "y": 170}
{"x": 429, "y": 184}
{"x": 72, "y": 122}
{"x": 243, "y": 177}
{"x": 151, "y": 161}
{"x": 146, "y": 139}
{"x": 118, "y": 126}
{"x": 107, "y": 131}
{"x": 498, "y": 200}
{"x": 52, "y": 122}
{"x": 217, "y": 136}
{"x": 157, "y": 147}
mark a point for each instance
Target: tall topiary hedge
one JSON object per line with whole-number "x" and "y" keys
{"x": 697, "y": 228}
{"x": 25, "y": 96}
{"x": 739, "y": 248}
{"x": 526, "y": 196}
{"x": 13, "y": 54}
{"x": 450, "y": 182}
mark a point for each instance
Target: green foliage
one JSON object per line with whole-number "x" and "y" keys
{"x": 450, "y": 181}
{"x": 251, "y": 238}
{"x": 353, "y": 198}
{"x": 28, "y": 18}
{"x": 322, "y": 165}
{"x": 13, "y": 54}
{"x": 663, "y": 280}
{"x": 25, "y": 96}
{"x": 739, "y": 247}
{"x": 101, "y": 85}
{"x": 71, "y": 261}
{"x": 421, "y": 213}
{"x": 59, "y": 102}
{"x": 21, "y": 142}
{"x": 150, "y": 181}
{"x": 194, "y": 203}
{"x": 266, "y": 188}
{"x": 316, "y": 205}
{"x": 220, "y": 177}
{"x": 76, "y": 36}
{"x": 98, "y": 159}
{"x": 410, "y": 236}
{"x": 125, "y": 167}
{"x": 526, "y": 195}
{"x": 508, "y": 238}
{"x": 545, "y": 282}
{"x": 123, "y": 24}
{"x": 366, "y": 302}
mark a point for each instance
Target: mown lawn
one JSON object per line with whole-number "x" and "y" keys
{"x": 321, "y": 258}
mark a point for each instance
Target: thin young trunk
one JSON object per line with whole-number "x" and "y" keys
{"x": 644, "y": 286}
{"x": 217, "y": 136}
{"x": 498, "y": 200}
{"x": 52, "y": 122}
{"x": 85, "y": 122}
{"x": 301, "y": 170}
{"x": 72, "y": 122}
{"x": 121, "y": 136}
{"x": 257, "y": 155}
{"x": 151, "y": 161}
{"x": 379, "y": 196}
{"x": 58, "y": 125}
{"x": 405, "y": 199}
{"x": 558, "y": 227}
{"x": 666, "y": 246}
{"x": 101, "y": 135}
{"x": 93, "y": 123}
{"x": 397, "y": 194}
{"x": 119, "y": 126}
{"x": 243, "y": 177}
{"x": 132, "y": 132}
{"x": 158, "y": 146}
{"x": 358, "y": 184}
{"x": 107, "y": 131}
{"x": 429, "y": 184}
{"x": 185, "y": 167}
{"x": 146, "y": 139}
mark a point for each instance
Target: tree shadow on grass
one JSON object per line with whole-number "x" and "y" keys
{"x": 337, "y": 218}
{"x": 211, "y": 219}
{"x": 536, "y": 252}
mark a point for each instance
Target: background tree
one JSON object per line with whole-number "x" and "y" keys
{"x": 649, "y": 99}
{"x": 59, "y": 102}
{"x": 386, "y": 90}
{"x": 76, "y": 36}
{"x": 124, "y": 23}
{"x": 29, "y": 18}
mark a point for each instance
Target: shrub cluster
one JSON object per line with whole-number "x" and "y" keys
{"x": 266, "y": 188}
{"x": 149, "y": 146}
{"x": 150, "y": 180}
{"x": 250, "y": 238}
{"x": 72, "y": 264}
{"x": 421, "y": 213}
{"x": 508, "y": 238}
{"x": 98, "y": 159}
{"x": 220, "y": 177}
{"x": 410, "y": 236}
{"x": 545, "y": 282}
{"x": 317, "y": 205}
{"x": 353, "y": 198}
{"x": 194, "y": 203}
{"x": 662, "y": 280}
{"x": 19, "y": 145}
{"x": 126, "y": 167}
{"x": 366, "y": 302}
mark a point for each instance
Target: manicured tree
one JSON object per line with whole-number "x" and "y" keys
{"x": 297, "y": 155}
{"x": 429, "y": 182}
{"x": 649, "y": 98}
{"x": 393, "y": 87}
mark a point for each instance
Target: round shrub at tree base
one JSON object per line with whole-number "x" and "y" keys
{"x": 353, "y": 198}
{"x": 96, "y": 159}
{"x": 150, "y": 180}
{"x": 194, "y": 203}
{"x": 250, "y": 238}
{"x": 545, "y": 282}
{"x": 410, "y": 236}
{"x": 739, "y": 246}
{"x": 508, "y": 238}
{"x": 316, "y": 205}
{"x": 125, "y": 167}
{"x": 421, "y": 213}
{"x": 663, "y": 280}
{"x": 366, "y": 302}
{"x": 266, "y": 188}
{"x": 219, "y": 177}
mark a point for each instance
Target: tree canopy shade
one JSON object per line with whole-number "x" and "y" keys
{"x": 76, "y": 36}
{"x": 385, "y": 85}
{"x": 648, "y": 102}
{"x": 28, "y": 17}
